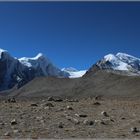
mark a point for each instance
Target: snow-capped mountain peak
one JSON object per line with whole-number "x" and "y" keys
{"x": 39, "y": 59}
{"x": 110, "y": 57}
{"x": 3, "y": 54}
{"x": 128, "y": 58}
{"x": 121, "y": 62}
{"x": 40, "y": 56}
{"x": 124, "y": 55}
{"x": 1, "y": 50}
{"x": 43, "y": 65}
{"x": 15, "y": 71}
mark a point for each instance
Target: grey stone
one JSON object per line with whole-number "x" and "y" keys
{"x": 69, "y": 108}
{"x": 13, "y": 122}
{"x": 104, "y": 114}
{"x": 88, "y": 122}
{"x": 134, "y": 130}
{"x": 60, "y": 125}
{"x": 7, "y": 134}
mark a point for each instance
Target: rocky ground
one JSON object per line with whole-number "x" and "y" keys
{"x": 67, "y": 118}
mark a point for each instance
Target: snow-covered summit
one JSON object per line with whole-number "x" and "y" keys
{"x": 39, "y": 59}
{"x": 121, "y": 62}
{"x": 1, "y": 50}
{"x": 3, "y": 53}
{"x": 110, "y": 57}
{"x": 43, "y": 65}
{"x": 126, "y": 56}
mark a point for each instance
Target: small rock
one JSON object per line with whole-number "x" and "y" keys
{"x": 7, "y": 134}
{"x": 49, "y": 105}
{"x": 107, "y": 121}
{"x": 50, "y": 99}
{"x": 13, "y": 122}
{"x": 39, "y": 118}
{"x": 58, "y": 100}
{"x": 81, "y": 115}
{"x": 11, "y": 100}
{"x": 112, "y": 120}
{"x": 16, "y": 131}
{"x": 134, "y": 130}
{"x": 42, "y": 121}
{"x": 123, "y": 118}
{"x": 96, "y": 103}
{"x": 68, "y": 117}
{"x": 97, "y": 97}
{"x": 42, "y": 100}
{"x": 2, "y": 123}
{"x": 69, "y": 108}
{"x": 55, "y": 99}
{"x": 102, "y": 122}
{"x": 60, "y": 109}
{"x": 73, "y": 120}
{"x": 104, "y": 114}
{"x": 97, "y": 121}
{"x": 34, "y": 104}
{"x": 88, "y": 122}
{"x": 77, "y": 115}
{"x": 60, "y": 125}
{"x": 69, "y": 129}
{"x": 71, "y": 100}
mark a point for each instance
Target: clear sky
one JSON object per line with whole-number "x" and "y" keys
{"x": 73, "y": 34}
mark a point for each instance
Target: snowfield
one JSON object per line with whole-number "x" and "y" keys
{"x": 74, "y": 73}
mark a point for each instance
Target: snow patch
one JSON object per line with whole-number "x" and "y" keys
{"x": 2, "y": 51}
{"x": 74, "y": 73}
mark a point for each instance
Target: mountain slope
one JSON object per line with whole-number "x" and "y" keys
{"x": 114, "y": 75}
{"x": 17, "y": 72}
{"x": 14, "y": 72}
{"x": 11, "y": 71}
{"x": 94, "y": 83}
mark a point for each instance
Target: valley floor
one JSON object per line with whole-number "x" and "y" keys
{"x": 86, "y": 118}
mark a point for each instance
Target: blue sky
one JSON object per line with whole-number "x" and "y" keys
{"x": 73, "y": 34}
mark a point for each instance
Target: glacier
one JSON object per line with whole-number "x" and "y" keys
{"x": 74, "y": 73}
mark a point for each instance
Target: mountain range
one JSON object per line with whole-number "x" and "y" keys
{"x": 18, "y": 72}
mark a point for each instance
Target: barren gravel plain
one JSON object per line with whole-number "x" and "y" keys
{"x": 53, "y": 117}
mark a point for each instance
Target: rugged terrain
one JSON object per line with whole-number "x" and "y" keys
{"x": 95, "y": 82}
{"x": 103, "y": 103}
{"x": 82, "y": 118}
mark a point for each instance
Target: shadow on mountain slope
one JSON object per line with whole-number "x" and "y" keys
{"x": 95, "y": 82}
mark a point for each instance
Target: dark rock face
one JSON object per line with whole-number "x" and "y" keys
{"x": 2, "y": 71}
{"x": 105, "y": 65}
{"x": 14, "y": 73}
{"x": 92, "y": 70}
